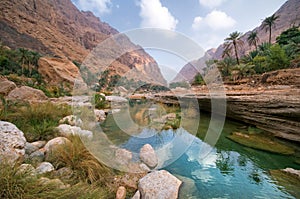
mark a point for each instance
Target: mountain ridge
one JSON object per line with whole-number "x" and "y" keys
{"x": 58, "y": 28}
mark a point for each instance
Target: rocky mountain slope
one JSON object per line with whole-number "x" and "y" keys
{"x": 57, "y": 27}
{"x": 288, "y": 16}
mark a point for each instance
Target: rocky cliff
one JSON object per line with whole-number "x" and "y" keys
{"x": 57, "y": 27}
{"x": 288, "y": 16}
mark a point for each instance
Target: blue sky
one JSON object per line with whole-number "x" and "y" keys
{"x": 207, "y": 22}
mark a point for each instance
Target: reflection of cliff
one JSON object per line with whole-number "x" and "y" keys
{"x": 58, "y": 28}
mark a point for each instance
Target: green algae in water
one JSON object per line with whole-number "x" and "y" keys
{"x": 290, "y": 182}
{"x": 260, "y": 142}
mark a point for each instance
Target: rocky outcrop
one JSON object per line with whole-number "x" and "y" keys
{"x": 12, "y": 142}
{"x": 6, "y": 86}
{"x": 25, "y": 93}
{"x": 159, "y": 184}
{"x": 58, "y": 28}
{"x": 273, "y": 108}
{"x": 148, "y": 156}
{"x": 57, "y": 71}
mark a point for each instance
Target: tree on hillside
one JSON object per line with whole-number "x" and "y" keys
{"x": 234, "y": 40}
{"x": 24, "y": 56}
{"x": 253, "y": 39}
{"x": 269, "y": 23}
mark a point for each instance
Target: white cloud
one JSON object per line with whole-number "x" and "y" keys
{"x": 97, "y": 6}
{"x": 211, "y": 3}
{"x": 216, "y": 20}
{"x": 155, "y": 15}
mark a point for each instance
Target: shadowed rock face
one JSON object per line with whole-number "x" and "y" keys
{"x": 57, "y": 27}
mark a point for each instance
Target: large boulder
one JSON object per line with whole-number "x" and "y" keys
{"x": 6, "y": 86}
{"x": 26, "y": 93}
{"x": 148, "y": 156}
{"x": 12, "y": 142}
{"x": 58, "y": 71}
{"x": 159, "y": 184}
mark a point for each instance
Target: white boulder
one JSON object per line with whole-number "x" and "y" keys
{"x": 159, "y": 184}
{"x": 148, "y": 156}
{"x": 12, "y": 142}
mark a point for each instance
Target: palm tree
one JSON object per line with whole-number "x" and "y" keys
{"x": 234, "y": 40}
{"x": 269, "y": 23}
{"x": 253, "y": 39}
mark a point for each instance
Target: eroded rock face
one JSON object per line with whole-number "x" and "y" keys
{"x": 6, "y": 86}
{"x": 148, "y": 156}
{"x": 159, "y": 184}
{"x": 25, "y": 93}
{"x": 12, "y": 142}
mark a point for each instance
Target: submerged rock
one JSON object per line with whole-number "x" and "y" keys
{"x": 261, "y": 142}
{"x": 159, "y": 184}
{"x": 148, "y": 156}
{"x": 289, "y": 179}
{"x": 12, "y": 142}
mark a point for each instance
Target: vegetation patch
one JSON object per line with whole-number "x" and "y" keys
{"x": 260, "y": 142}
{"x": 37, "y": 121}
{"x": 16, "y": 184}
{"x": 85, "y": 166}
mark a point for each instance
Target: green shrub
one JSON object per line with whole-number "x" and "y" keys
{"x": 100, "y": 101}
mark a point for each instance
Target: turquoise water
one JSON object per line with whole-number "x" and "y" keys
{"x": 226, "y": 170}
